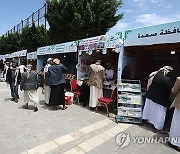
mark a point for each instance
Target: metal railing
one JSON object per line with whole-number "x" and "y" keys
{"x": 37, "y": 17}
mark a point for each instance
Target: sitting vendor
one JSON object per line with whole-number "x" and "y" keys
{"x": 109, "y": 72}
{"x": 109, "y": 75}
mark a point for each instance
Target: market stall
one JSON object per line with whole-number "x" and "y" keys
{"x": 19, "y": 56}
{"x": 146, "y": 50}
{"x": 66, "y": 52}
{"x": 7, "y": 57}
{"x": 108, "y": 49}
{"x": 105, "y": 48}
{"x": 32, "y": 59}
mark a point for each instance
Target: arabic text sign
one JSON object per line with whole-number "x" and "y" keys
{"x": 1, "y": 57}
{"x": 21, "y": 53}
{"x": 165, "y": 33}
{"x": 41, "y": 51}
{"x": 71, "y": 47}
{"x": 32, "y": 55}
{"x": 46, "y": 50}
{"x": 7, "y": 56}
{"x": 58, "y": 48}
{"x": 113, "y": 41}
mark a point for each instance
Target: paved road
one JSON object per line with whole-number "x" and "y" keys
{"x": 75, "y": 130}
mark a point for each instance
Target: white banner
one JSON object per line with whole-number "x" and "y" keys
{"x": 21, "y": 53}
{"x": 114, "y": 41}
{"x": 14, "y": 54}
{"x": 71, "y": 46}
{"x": 32, "y": 55}
{"x": 58, "y": 48}
{"x": 2, "y": 57}
{"x": 159, "y": 34}
{"x": 46, "y": 50}
{"x": 7, "y": 56}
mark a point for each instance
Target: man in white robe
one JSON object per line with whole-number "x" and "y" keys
{"x": 96, "y": 76}
{"x": 29, "y": 85}
{"x": 157, "y": 101}
{"x": 175, "y": 125}
{"x": 47, "y": 88}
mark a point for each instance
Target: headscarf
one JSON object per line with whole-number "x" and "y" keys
{"x": 49, "y": 59}
{"x": 165, "y": 70}
{"x": 29, "y": 68}
{"x": 56, "y": 61}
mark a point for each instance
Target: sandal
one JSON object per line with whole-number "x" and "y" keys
{"x": 178, "y": 149}
{"x": 35, "y": 109}
{"x": 65, "y": 107}
{"x": 25, "y": 106}
{"x": 160, "y": 132}
{"x": 55, "y": 108}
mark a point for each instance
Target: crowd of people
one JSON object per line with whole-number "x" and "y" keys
{"x": 28, "y": 80}
{"x": 52, "y": 80}
{"x": 157, "y": 102}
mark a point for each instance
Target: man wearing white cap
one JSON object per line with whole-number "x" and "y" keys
{"x": 47, "y": 88}
{"x": 30, "y": 86}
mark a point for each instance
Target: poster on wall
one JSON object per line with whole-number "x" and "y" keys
{"x": 84, "y": 62}
{"x": 92, "y": 43}
{"x": 128, "y": 67}
{"x": 101, "y": 42}
{"x": 164, "y": 33}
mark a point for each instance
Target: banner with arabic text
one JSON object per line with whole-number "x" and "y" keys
{"x": 32, "y": 55}
{"x": 58, "y": 48}
{"x": 159, "y": 34}
{"x": 21, "y": 53}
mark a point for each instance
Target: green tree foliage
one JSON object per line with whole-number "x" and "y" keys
{"x": 30, "y": 38}
{"x": 76, "y": 19}
{"x": 10, "y": 43}
{"x": 33, "y": 37}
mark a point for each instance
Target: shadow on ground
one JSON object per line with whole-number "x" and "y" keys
{"x": 7, "y": 99}
{"x": 30, "y": 107}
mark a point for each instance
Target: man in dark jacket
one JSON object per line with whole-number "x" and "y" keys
{"x": 1, "y": 69}
{"x": 30, "y": 86}
{"x": 57, "y": 82}
{"x": 157, "y": 101}
{"x": 13, "y": 77}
